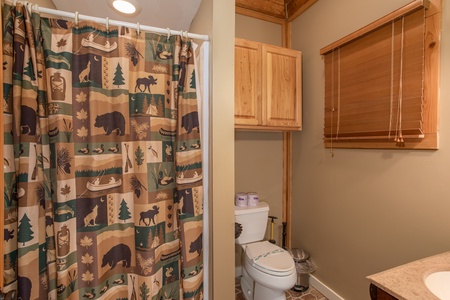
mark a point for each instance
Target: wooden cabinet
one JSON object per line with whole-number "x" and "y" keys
{"x": 267, "y": 87}
{"x": 378, "y": 294}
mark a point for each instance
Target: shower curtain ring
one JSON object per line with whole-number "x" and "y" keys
{"x": 168, "y": 33}
{"x": 107, "y": 24}
{"x": 76, "y": 18}
{"x": 138, "y": 28}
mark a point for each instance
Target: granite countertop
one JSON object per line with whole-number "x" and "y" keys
{"x": 407, "y": 282}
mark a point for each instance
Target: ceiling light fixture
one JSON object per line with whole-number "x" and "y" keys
{"x": 126, "y": 7}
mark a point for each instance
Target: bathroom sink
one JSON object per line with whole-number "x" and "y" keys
{"x": 438, "y": 284}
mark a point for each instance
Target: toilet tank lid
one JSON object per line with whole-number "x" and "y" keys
{"x": 260, "y": 207}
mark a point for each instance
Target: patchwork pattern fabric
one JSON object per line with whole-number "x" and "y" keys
{"x": 103, "y": 170}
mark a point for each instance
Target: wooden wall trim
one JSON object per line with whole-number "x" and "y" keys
{"x": 257, "y": 15}
{"x": 287, "y": 155}
{"x": 287, "y": 185}
{"x": 297, "y": 7}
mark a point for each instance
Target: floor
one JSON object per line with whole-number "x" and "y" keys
{"x": 310, "y": 294}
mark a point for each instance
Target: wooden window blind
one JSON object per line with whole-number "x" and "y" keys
{"x": 375, "y": 86}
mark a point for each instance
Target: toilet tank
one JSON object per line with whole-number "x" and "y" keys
{"x": 253, "y": 220}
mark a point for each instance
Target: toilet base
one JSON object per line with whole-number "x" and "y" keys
{"x": 252, "y": 290}
{"x": 247, "y": 285}
{"x": 265, "y": 293}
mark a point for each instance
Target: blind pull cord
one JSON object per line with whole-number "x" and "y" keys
{"x": 399, "y": 137}
{"x": 392, "y": 80}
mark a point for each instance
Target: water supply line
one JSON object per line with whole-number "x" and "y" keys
{"x": 272, "y": 222}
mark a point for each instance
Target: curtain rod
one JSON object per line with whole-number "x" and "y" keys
{"x": 108, "y": 22}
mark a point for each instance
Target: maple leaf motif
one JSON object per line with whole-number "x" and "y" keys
{"x": 86, "y": 242}
{"x": 81, "y": 97}
{"x": 87, "y": 259}
{"x": 65, "y": 190}
{"x": 87, "y": 277}
{"x": 82, "y": 132}
{"x": 82, "y": 115}
{"x": 61, "y": 43}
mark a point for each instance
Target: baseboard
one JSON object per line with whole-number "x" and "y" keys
{"x": 323, "y": 289}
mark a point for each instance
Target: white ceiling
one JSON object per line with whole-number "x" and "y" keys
{"x": 173, "y": 14}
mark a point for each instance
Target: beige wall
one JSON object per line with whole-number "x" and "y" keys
{"x": 44, "y": 3}
{"x": 216, "y": 18}
{"x": 258, "y": 30}
{"x": 259, "y": 155}
{"x": 364, "y": 211}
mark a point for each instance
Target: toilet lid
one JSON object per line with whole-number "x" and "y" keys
{"x": 269, "y": 258}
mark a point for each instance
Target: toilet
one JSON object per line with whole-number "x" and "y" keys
{"x": 268, "y": 270}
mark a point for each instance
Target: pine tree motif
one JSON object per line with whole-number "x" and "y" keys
{"x": 25, "y": 233}
{"x": 118, "y": 78}
{"x": 29, "y": 70}
{"x": 159, "y": 104}
{"x": 192, "y": 84}
{"x": 145, "y": 105}
{"x": 124, "y": 213}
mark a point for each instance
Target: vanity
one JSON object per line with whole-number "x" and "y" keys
{"x": 413, "y": 281}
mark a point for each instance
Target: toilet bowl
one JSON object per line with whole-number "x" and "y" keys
{"x": 268, "y": 270}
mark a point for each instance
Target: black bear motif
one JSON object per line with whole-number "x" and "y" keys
{"x": 110, "y": 122}
{"x": 118, "y": 253}
{"x": 24, "y": 285}
{"x": 197, "y": 245}
{"x": 28, "y": 120}
{"x": 190, "y": 121}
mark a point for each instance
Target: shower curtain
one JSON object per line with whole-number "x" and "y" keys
{"x": 103, "y": 173}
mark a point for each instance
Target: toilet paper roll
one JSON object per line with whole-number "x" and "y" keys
{"x": 252, "y": 199}
{"x": 241, "y": 199}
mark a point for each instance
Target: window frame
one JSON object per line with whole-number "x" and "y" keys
{"x": 431, "y": 69}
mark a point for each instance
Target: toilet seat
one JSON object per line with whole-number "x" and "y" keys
{"x": 270, "y": 259}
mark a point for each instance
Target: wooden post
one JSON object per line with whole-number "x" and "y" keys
{"x": 287, "y": 155}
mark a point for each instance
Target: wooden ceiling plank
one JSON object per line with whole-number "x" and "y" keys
{"x": 274, "y": 8}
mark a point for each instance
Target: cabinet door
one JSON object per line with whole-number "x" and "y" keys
{"x": 280, "y": 87}
{"x": 247, "y": 90}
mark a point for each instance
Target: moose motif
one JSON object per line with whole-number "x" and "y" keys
{"x": 150, "y": 215}
{"x": 146, "y": 82}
